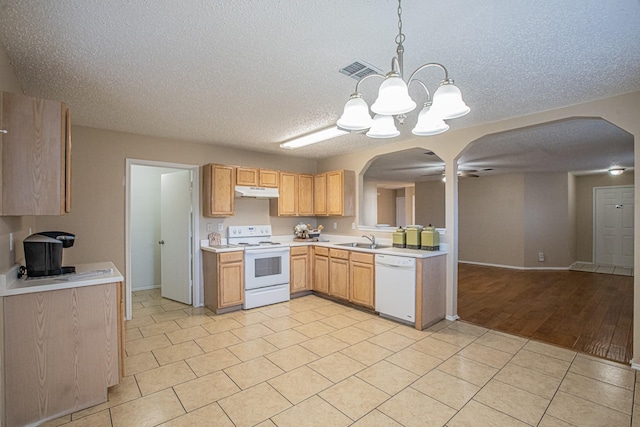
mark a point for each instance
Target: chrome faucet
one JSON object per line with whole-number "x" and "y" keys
{"x": 371, "y": 238}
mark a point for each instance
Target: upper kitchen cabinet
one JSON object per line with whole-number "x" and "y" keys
{"x": 218, "y": 190}
{"x": 36, "y": 156}
{"x": 305, "y": 195}
{"x": 334, "y": 193}
{"x": 254, "y": 177}
{"x": 287, "y": 202}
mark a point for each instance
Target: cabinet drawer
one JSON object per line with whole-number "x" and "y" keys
{"x": 299, "y": 250}
{"x": 339, "y": 253}
{"x": 321, "y": 251}
{"x": 230, "y": 256}
{"x": 362, "y": 257}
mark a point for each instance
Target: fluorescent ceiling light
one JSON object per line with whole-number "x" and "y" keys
{"x": 312, "y": 138}
{"x": 616, "y": 171}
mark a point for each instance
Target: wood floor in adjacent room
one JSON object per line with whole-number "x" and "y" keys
{"x": 586, "y": 312}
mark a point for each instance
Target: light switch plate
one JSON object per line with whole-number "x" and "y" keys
{"x": 220, "y": 226}
{"x": 210, "y": 227}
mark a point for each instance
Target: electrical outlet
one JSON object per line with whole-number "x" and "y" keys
{"x": 209, "y": 227}
{"x": 335, "y": 225}
{"x": 353, "y": 225}
{"x": 220, "y": 226}
{"x": 540, "y": 256}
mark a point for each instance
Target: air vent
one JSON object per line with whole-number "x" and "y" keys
{"x": 359, "y": 69}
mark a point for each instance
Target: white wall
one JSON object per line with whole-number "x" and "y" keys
{"x": 145, "y": 226}
{"x": 370, "y": 205}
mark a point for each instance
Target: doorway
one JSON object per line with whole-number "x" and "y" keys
{"x": 613, "y": 225}
{"x": 161, "y": 231}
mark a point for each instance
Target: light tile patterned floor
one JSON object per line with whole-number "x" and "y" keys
{"x": 604, "y": 269}
{"x": 313, "y": 362}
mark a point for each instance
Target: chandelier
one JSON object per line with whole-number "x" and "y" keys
{"x": 394, "y": 101}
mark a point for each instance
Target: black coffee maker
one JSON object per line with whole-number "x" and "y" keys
{"x": 43, "y": 253}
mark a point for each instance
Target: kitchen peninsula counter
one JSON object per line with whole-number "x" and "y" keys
{"x": 61, "y": 342}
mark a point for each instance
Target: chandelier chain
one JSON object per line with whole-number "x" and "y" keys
{"x": 400, "y": 37}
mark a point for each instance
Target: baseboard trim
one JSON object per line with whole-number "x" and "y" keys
{"x": 145, "y": 288}
{"x": 635, "y": 366}
{"x": 452, "y": 318}
{"x": 513, "y": 267}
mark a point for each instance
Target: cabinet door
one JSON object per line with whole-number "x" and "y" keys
{"x": 339, "y": 278}
{"x": 305, "y": 195}
{"x": 335, "y": 184}
{"x": 362, "y": 284}
{"x": 218, "y": 190}
{"x": 300, "y": 273}
{"x": 268, "y": 178}
{"x": 321, "y": 274}
{"x": 288, "y": 197}
{"x": 231, "y": 284}
{"x": 34, "y": 156}
{"x": 247, "y": 176}
{"x": 320, "y": 194}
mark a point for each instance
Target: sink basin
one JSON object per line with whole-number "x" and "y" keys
{"x": 362, "y": 245}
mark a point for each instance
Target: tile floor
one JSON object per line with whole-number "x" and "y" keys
{"x": 604, "y": 269}
{"x": 313, "y": 362}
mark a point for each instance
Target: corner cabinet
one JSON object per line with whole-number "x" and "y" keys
{"x": 218, "y": 190}
{"x": 36, "y": 156}
{"x": 223, "y": 280}
{"x": 335, "y": 193}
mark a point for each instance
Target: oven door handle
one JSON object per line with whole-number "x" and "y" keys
{"x": 283, "y": 250}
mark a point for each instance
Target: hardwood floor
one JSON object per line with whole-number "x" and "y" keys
{"x": 586, "y": 312}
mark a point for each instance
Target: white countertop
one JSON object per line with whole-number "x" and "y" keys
{"x": 333, "y": 241}
{"x": 86, "y": 275}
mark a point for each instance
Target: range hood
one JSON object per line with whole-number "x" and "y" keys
{"x": 256, "y": 192}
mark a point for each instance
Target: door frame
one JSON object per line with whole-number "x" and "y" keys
{"x": 593, "y": 239}
{"x": 195, "y": 244}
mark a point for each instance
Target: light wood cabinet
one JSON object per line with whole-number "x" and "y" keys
{"x": 321, "y": 270}
{"x": 247, "y": 176}
{"x": 36, "y": 156}
{"x": 218, "y": 190}
{"x": 320, "y": 194}
{"x": 305, "y": 195}
{"x": 362, "y": 283}
{"x": 334, "y": 193}
{"x": 61, "y": 349}
{"x": 339, "y": 273}
{"x": 223, "y": 280}
{"x": 300, "y": 269}
{"x": 287, "y": 202}
{"x": 268, "y": 178}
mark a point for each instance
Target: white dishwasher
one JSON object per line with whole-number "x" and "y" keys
{"x": 396, "y": 287}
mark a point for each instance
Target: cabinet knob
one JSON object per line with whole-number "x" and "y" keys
{"x": 161, "y": 242}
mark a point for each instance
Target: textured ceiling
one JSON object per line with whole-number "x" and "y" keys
{"x": 251, "y": 74}
{"x": 580, "y": 146}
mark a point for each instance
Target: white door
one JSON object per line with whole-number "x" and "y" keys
{"x": 613, "y": 242}
{"x": 175, "y": 232}
{"x": 401, "y": 215}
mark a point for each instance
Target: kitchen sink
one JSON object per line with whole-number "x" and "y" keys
{"x": 363, "y": 245}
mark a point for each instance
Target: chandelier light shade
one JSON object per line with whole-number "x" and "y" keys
{"x": 394, "y": 101}
{"x": 393, "y": 97}
{"x": 356, "y": 115}
{"x": 383, "y": 127}
{"x": 429, "y": 123}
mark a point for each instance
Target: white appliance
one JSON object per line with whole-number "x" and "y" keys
{"x": 256, "y": 192}
{"x": 396, "y": 287}
{"x": 266, "y": 265}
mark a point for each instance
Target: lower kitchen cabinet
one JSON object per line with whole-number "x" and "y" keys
{"x": 60, "y": 350}
{"x": 362, "y": 283}
{"x": 321, "y": 269}
{"x": 339, "y": 273}
{"x": 223, "y": 280}
{"x": 300, "y": 269}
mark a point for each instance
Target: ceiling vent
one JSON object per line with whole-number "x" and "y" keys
{"x": 359, "y": 69}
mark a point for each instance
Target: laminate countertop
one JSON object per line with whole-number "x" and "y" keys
{"x": 89, "y": 274}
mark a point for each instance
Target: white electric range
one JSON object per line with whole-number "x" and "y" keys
{"x": 266, "y": 265}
